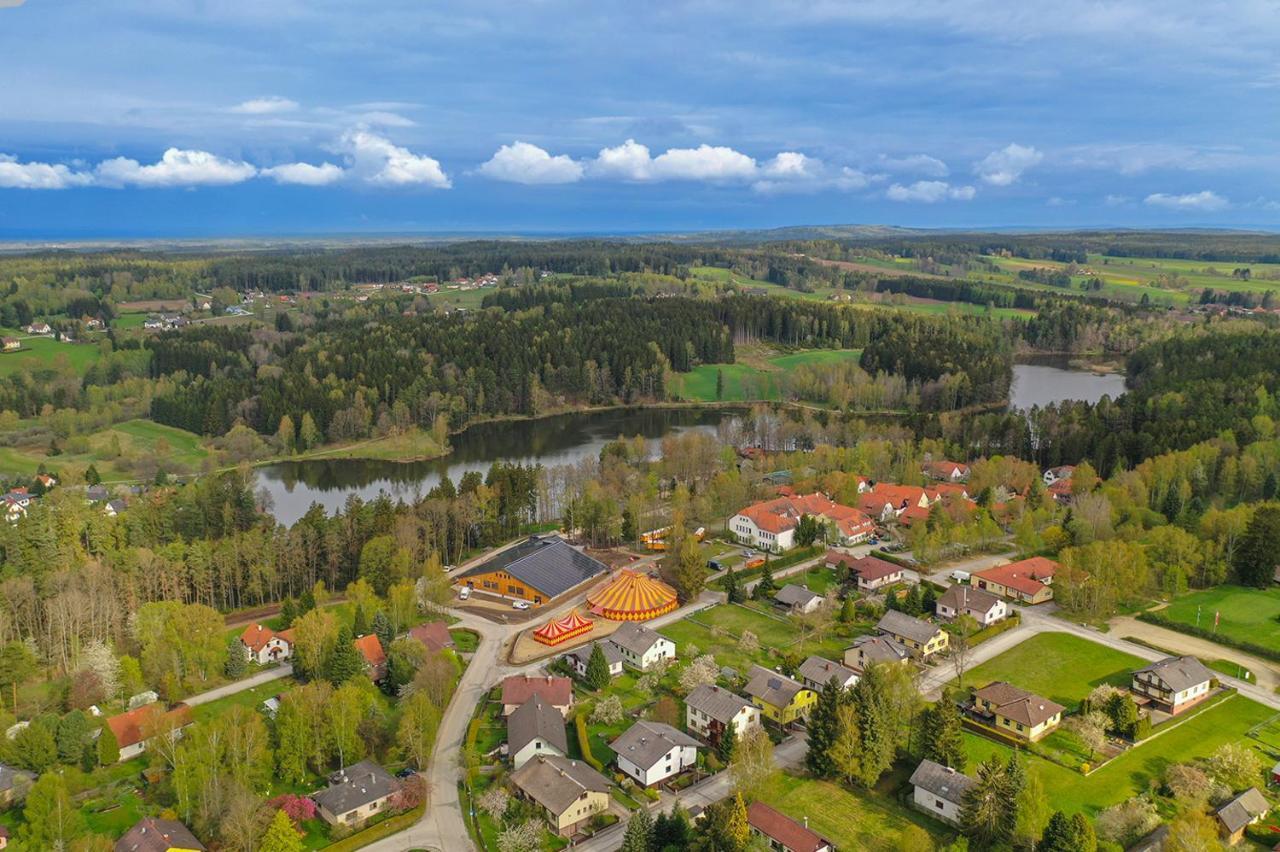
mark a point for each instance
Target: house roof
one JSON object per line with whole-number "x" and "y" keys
{"x": 871, "y": 568}
{"x": 433, "y": 634}
{"x": 720, "y": 704}
{"x": 130, "y": 728}
{"x": 793, "y": 595}
{"x": 773, "y": 688}
{"x": 370, "y": 647}
{"x": 1179, "y": 673}
{"x": 645, "y": 743}
{"x": 881, "y": 649}
{"x": 1017, "y": 704}
{"x": 945, "y": 469}
{"x": 548, "y": 564}
{"x": 942, "y": 781}
{"x": 556, "y": 691}
{"x": 9, "y": 775}
{"x": 1243, "y": 809}
{"x": 783, "y": 513}
{"x": 612, "y": 653}
{"x": 783, "y": 829}
{"x": 897, "y": 496}
{"x": 360, "y": 784}
{"x": 1026, "y": 576}
{"x": 964, "y": 598}
{"x": 256, "y": 636}
{"x": 536, "y": 719}
{"x": 557, "y": 782}
{"x": 821, "y": 670}
{"x": 900, "y": 624}
{"x": 636, "y": 638}
{"x": 151, "y": 834}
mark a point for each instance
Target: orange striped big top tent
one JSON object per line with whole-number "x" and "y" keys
{"x": 633, "y": 597}
{"x": 563, "y": 629}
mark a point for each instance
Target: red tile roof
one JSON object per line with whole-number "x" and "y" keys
{"x": 783, "y": 829}
{"x": 1026, "y": 576}
{"x": 131, "y": 728}
{"x": 870, "y": 568}
{"x": 945, "y": 469}
{"x": 557, "y": 691}
{"x": 256, "y": 637}
{"x": 433, "y": 634}
{"x": 783, "y": 513}
{"x": 370, "y": 647}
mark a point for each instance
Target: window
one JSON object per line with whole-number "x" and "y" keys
{"x": 937, "y": 803}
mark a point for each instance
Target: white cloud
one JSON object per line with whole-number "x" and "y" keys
{"x": 177, "y": 167}
{"x": 792, "y": 165}
{"x": 921, "y": 164}
{"x": 930, "y": 192}
{"x": 1004, "y": 167}
{"x": 521, "y": 162}
{"x": 1205, "y": 201}
{"x": 628, "y": 161}
{"x": 265, "y": 106}
{"x": 384, "y": 118}
{"x": 376, "y": 160}
{"x": 16, "y": 175}
{"x": 305, "y": 174}
{"x": 706, "y": 162}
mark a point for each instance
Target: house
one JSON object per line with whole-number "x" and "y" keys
{"x": 710, "y": 711}
{"x": 534, "y": 728}
{"x": 921, "y": 638}
{"x": 980, "y": 605}
{"x": 10, "y": 344}
{"x": 771, "y": 525}
{"x": 569, "y": 791}
{"x": 641, "y": 647}
{"x": 134, "y": 728}
{"x": 375, "y": 658}
{"x": 580, "y": 656}
{"x": 114, "y": 507}
{"x": 535, "y": 570}
{"x": 434, "y": 635}
{"x": 885, "y": 501}
{"x": 15, "y": 508}
{"x": 651, "y": 752}
{"x": 1174, "y": 683}
{"x": 939, "y": 790}
{"x": 151, "y": 834}
{"x": 46, "y": 481}
{"x": 38, "y": 328}
{"x": 97, "y": 494}
{"x": 1023, "y": 714}
{"x": 870, "y": 572}
{"x": 1026, "y": 581}
{"x": 797, "y": 599}
{"x": 782, "y": 833}
{"x": 946, "y": 471}
{"x": 780, "y": 698}
{"x": 1239, "y": 813}
{"x": 556, "y": 691}
{"x": 153, "y": 323}
{"x": 356, "y": 793}
{"x": 1059, "y": 474}
{"x": 1060, "y": 491}
{"x": 817, "y": 672}
{"x": 13, "y": 784}
{"x": 263, "y": 645}
{"x": 873, "y": 650}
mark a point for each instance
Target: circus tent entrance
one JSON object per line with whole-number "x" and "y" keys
{"x": 633, "y": 597}
{"x": 563, "y": 629}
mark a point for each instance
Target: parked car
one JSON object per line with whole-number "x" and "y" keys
{"x": 464, "y": 593}
{"x": 519, "y": 604}
{"x": 714, "y": 564}
{"x": 407, "y": 772}
{"x": 873, "y": 540}
{"x": 960, "y": 576}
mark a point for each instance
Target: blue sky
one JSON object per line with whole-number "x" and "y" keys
{"x": 183, "y": 118}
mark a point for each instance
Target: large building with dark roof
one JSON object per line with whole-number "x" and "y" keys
{"x": 355, "y": 794}
{"x": 535, "y": 570}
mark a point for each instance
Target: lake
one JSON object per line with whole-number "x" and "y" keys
{"x": 1045, "y": 380}
{"x": 550, "y": 441}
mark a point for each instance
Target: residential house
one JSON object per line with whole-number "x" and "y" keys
{"x": 782, "y": 699}
{"x": 980, "y": 605}
{"x": 651, "y": 752}
{"x": 434, "y": 635}
{"x": 46, "y": 481}
{"x": 946, "y": 471}
{"x": 817, "y": 672}
{"x": 113, "y": 508}
{"x": 710, "y": 711}
{"x": 797, "y": 600}
{"x": 1026, "y": 581}
{"x": 921, "y": 638}
{"x": 15, "y": 507}
{"x": 1060, "y": 491}
{"x": 534, "y": 728}
{"x": 556, "y": 691}
{"x": 569, "y": 792}
{"x": 134, "y": 728}
{"x": 783, "y": 834}
{"x": 263, "y": 645}
{"x": 1023, "y": 714}
{"x": 1242, "y": 811}
{"x": 580, "y": 656}
{"x": 10, "y": 344}
{"x": 38, "y": 328}
{"x": 375, "y": 658}
{"x": 1059, "y": 474}
{"x": 1174, "y": 683}
{"x": 873, "y": 650}
{"x": 771, "y": 525}
{"x": 355, "y": 794}
{"x": 939, "y": 790}
{"x": 642, "y": 647}
{"x": 152, "y": 834}
{"x": 97, "y": 494}
{"x": 885, "y": 501}
{"x": 13, "y": 784}
{"x": 535, "y": 570}
{"x": 871, "y": 573}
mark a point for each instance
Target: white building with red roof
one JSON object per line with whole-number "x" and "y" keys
{"x": 263, "y": 645}
{"x": 1027, "y": 580}
{"x": 771, "y": 525}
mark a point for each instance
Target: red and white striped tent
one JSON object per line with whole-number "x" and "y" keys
{"x": 563, "y": 629}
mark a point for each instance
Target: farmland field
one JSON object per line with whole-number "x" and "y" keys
{"x": 757, "y": 375}
{"x": 132, "y": 438}
{"x": 1059, "y": 666}
{"x": 38, "y": 352}
{"x": 1247, "y": 615}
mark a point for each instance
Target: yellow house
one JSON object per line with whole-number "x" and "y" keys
{"x": 779, "y": 697}
{"x": 1015, "y": 711}
{"x": 569, "y": 792}
{"x": 921, "y": 638}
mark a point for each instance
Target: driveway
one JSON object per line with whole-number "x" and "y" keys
{"x": 267, "y": 676}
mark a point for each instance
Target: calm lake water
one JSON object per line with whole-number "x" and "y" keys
{"x": 1042, "y": 381}
{"x": 550, "y": 441}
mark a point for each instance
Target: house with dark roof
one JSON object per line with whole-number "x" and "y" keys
{"x": 579, "y": 657}
{"x": 651, "y": 752}
{"x": 939, "y": 790}
{"x": 641, "y": 646}
{"x": 534, "y": 728}
{"x": 869, "y": 572}
{"x": 780, "y": 698}
{"x": 782, "y": 833}
{"x": 872, "y": 650}
{"x": 1013, "y": 710}
{"x": 980, "y": 605}
{"x": 921, "y": 638}
{"x": 356, "y": 793}
{"x": 569, "y": 791}
{"x": 1027, "y": 580}
{"x": 1242, "y": 811}
{"x": 797, "y": 600}
{"x": 151, "y": 834}
{"x": 556, "y": 691}
{"x": 1173, "y": 684}
{"x": 816, "y": 672}
{"x": 535, "y": 570}
{"x": 13, "y": 783}
{"x": 711, "y": 710}
{"x": 434, "y": 635}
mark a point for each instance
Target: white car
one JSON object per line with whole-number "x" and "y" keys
{"x": 519, "y": 604}
{"x": 464, "y": 593}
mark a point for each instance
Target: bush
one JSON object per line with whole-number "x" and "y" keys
{"x": 584, "y": 743}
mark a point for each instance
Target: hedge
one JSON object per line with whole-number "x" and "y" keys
{"x": 374, "y": 833}
{"x": 896, "y": 560}
{"x": 995, "y": 629}
{"x": 1161, "y": 620}
{"x": 775, "y": 565}
{"x": 584, "y": 743}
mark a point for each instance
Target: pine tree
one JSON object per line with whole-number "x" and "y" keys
{"x": 928, "y": 600}
{"x": 288, "y": 611}
{"x": 1255, "y": 560}
{"x": 766, "y": 587}
{"x": 91, "y": 476}
{"x": 306, "y": 603}
{"x": 345, "y": 662}
{"x": 1011, "y": 786}
{"x": 236, "y": 664}
{"x": 719, "y": 384}
{"x": 984, "y": 814}
{"x": 728, "y": 740}
{"x": 360, "y": 621}
{"x": 597, "y": 676}
{"x": 639, "y": 836}
{"x": 876, "y": 724}
{"x": 108, "y": 747}
{"x": 942, "y": 735}
{"x": 733, "y": 587}
{"x": 1068, "y": 834}
{"x": 383, "y": 630}
{"x": 821, "y": 725}
{"x": 281, "y": 836}
{"x": 672, "y": 829}
{"x": 848, "y": 611}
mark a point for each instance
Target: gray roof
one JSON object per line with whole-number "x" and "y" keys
{"x": 548, "y": 564}
{"x": 152, "y": 834}
{"x": 793, "y": 595}
{"x": 1153, "y": 842}
{"x": 942, "y": 781}
{"x": 532, "y": 719}
{"x": 881, "y": 649}
{"x": 1243, "y": 809}
{"x": 900, "y": 624}
{"x": 1179, "y": 673}
{"x": 557, "y": 782}
{"x": 612, "y": 655}
{"x": 965, "y": 598}
{"x": 821, "y": 670}
{"x": 9, "y": 776}
{"x": 645, "y": 743}
{"x": 636, "y": 638}
{"x": 366, "y": 782}
{"x": 720, "y": 704}
{"x": 772, "y": 687}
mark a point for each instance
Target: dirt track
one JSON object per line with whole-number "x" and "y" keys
{"x": 1268, "y": 676}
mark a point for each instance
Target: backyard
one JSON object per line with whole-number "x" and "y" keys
{"x": 1059, "y": 666}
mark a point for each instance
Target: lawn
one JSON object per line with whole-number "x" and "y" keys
{"x": 852, "y": 819}
{"x": 756, "y": 375}
{"x": 1059, "y": 666}
{"x": 1245, "y": 615}
{"x": 130, "y": 439}
{"x": 251, "y": 698}
{"x": 43, "y": 352}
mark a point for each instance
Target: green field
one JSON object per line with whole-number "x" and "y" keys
{"x": 716, "y": 631}
{"x": 45, "y": 352}
{"x": 756, "y": 376}
{"x": 1247, "y": 615}
{"x": 852, "y": 819}
{"x": 134, "y": 438}
{"x": 1059, "y": 666}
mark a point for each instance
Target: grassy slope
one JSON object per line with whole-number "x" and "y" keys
{"x": 1248, "y": 615}
{"x": 135, "y": 437}
{"x": 1059, "y": 666}
{"x": 40, "y": 352}
{"x": 755, "y": 376}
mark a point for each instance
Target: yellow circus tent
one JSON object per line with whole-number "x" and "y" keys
{"x": 633, "y": 597}
{"x": 563, "y": 629}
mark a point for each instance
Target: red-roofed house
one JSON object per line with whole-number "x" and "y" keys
{"x": 946, "y": 471}
{"x": 434, "y": 635}
{"x": 370, "y": 647}
{"x": 1028, "y": 580}
{"x": 782, "y": 833}
{"x": 556, "y": 691}
{"x": 132, "y": 729}
{"x": 771, "y": 525}
{"x": 263, "y": 645}
{"x": 1060, "y": 490}
{"x": 886, "y": 501}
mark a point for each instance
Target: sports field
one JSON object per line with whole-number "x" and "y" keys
{"x": 1246, "y": 615}
{"x": 1059, "y": 666}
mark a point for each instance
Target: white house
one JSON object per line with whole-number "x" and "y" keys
{"x": 263, "y": 645}
{"x": 710, "y": 711}
{"x": 1056, "y": 474}
{"x": 817, "y": 672}
{"x": 642, "y": 647}
{"x": 535, "y": 728}
{"x": 651, "y": 752}
{"x": 797, "y": 599}
{"x": 771, "y": 525}
{"x": 939, "y": 790}
{"x": 984, "y": 607}
{"x": 1174, "y": 683}
{"x": 579, "y": 657}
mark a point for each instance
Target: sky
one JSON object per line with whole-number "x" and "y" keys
{"x": 186, "y": 118}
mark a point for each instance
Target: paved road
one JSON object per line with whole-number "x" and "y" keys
{"x": 241, "y": 685}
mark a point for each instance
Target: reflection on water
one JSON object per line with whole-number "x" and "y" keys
{"x": 1043, "y": 381}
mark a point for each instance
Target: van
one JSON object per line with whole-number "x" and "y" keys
{"x": 960, "y": 576}
{"x": 464, "y": 593}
